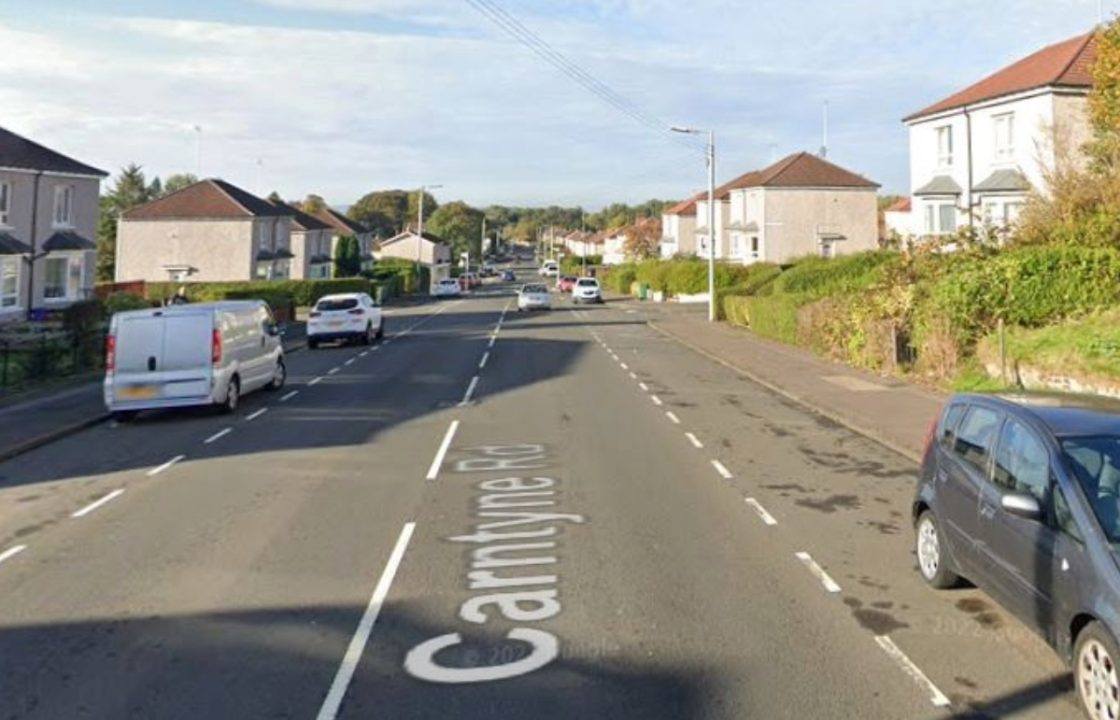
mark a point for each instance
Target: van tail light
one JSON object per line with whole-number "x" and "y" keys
{"x": 931, "y": 433}
{"x": 355, "y": 311}
{"x": 110, "y": 353}
{"x": 216, "y": 347}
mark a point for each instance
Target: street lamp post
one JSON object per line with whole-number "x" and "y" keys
{"x": 710, "y": 155}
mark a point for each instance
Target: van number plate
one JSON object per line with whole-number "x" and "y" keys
{"x": 138, "y": 392}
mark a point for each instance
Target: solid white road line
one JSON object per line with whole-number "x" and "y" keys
{"x": 257, "y": 414}
{"x": 333, "y": 701}
{"x": 433, "y": 471}
{"x": 316, "y": 381}
{"x": 766, "y": 517}
{"x": 673, "y": 417}
{"x": 289, "y": 396}
{"x": 724, "y": 472}
{"x": 217, "y": 436}
{"x": 643, "y": 386}
{"x": 935, "y": 695}
{"x": 332, "y": 371}
{"x": 12, "y": 552}
{"x": 470, "y": 391}
{"x": 169, "y": 463}
{"x": 485, "y": 357}
{"x": 656, "y": 400}
{"x": 818, "y": 572}
{"x": 692, "y": 439}
{"x": 97, "y": 503}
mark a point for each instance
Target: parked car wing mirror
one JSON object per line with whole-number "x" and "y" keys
{"x": 1022, "y": 505}
{"x": 272, "y": 329}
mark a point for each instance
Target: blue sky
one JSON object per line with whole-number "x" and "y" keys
{"x": 340, "y": 97}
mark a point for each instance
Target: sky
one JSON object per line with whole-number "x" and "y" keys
{"x": 342, "y": 97}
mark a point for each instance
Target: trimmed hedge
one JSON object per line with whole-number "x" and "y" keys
{"x": 303, "y": 293}
{"x": 817, "y": 277}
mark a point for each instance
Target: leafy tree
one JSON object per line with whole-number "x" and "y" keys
{"x": 1104, "y": 100}
{"x": 643, "y": 239}
{"x": 460, "y": 225}
{"x": 347, "y": 257}
{"x": 155, "y": 189}
{"x": 178, "y": 181}
{"x": 129, "y": 189}
{"x": 313, "y": 204}
{"x": 386, "y": 212}
{"x": 274, "y": 197}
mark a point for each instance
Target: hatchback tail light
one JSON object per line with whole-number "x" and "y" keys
{"x": 110, "y": 353}
{"x": 216, "y": 347}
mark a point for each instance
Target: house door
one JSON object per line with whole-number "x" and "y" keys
{"x": 826, "y": 248}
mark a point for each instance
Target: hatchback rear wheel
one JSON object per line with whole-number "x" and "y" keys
{"x": 930, "y": 548}
{"x": 1095, "y": 673}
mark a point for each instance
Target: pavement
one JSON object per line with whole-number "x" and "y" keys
{"x": 492, "y": 514}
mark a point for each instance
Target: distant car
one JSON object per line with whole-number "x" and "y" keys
{"x": 447, "y": 287}
{"x": 204, "y": 354}
{"x": 508, "y": 276}
{"x": 346, "y": 317}
{"x": 566, "y": 283}
{"x": 1021, "y": 495}
{"x": 469, "y": 280}
{"x": 487, "y": 271}
{"x": 549, "y": 269}
{"x": 533, "y": 297}
{"x": 587, "y": 290}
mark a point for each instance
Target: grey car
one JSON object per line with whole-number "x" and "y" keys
{"x": 1021, "y": 496}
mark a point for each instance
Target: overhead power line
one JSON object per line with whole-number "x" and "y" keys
{"x": 515, "y": 29}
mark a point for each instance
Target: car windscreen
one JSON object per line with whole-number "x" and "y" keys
{"x": 1095, "y": 462}
{"x": 534, "y": 289}
{"x": 329, "y": 305}
{"x": 588, "y": 283}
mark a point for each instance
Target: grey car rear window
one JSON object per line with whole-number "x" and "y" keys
{"x": 976, "y": 436}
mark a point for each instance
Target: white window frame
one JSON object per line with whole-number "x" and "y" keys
{"x": 75, "y": 267}
{"x": 944, "y": 151}
{"x": 5, "y": 203}
{"x": 10, "y": 302}
{"x": 1003, "y": 137}
{"x": 63, "y": 206}
{"x": 933, "y": 217}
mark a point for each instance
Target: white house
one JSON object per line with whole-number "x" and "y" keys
{"x": 975, "y": 155}
{"x": 722, "y": 197}
{"x": 678, "y": 225}
{"x": 583, "y": 244}
{"x": 800, "y": 205}
{"x": 897, "y": 219}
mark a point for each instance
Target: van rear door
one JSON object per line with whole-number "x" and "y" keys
{"x": 186, "y": 359}
{"x": 163, "y": 357}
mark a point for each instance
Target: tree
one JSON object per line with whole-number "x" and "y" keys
{"x": 460, "y": 225}
{"x": 129, "y": 189}
{"x": 386, "y": 212}
{"x": 178, "y": 181}
{"x": 274, "y": 197}
{"x": 1104, "y": 100}
{"x": 313, "y": 204}
{"x": 643, "y": 239}
{"x": 347, "y": 257}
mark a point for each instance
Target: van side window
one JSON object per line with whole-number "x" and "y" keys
{"x": 1022, "y": 462}
{"x": 976, "y": 436}
{"x": 1063, "y": 518}
{"x": 949, "y": 422}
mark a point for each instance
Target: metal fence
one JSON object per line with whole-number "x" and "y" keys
{"x": 30, "y": 358}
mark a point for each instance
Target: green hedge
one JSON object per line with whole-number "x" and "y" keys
{"x": 772, "y": 316}
{"x": 619, "y": 277}
{"x": 303, "y": 293}
{"x": 818, "y": 277}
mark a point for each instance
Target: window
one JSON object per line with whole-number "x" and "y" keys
{"x": 947, "y": 430}
{"x": 975, "y": 437}
{"x": 945, "y": 146}
{"x": 1063, "y": 516}
{"x": 1011, "y": 212}
{"x": 1004, "y": 126}
{"x": 1022, "y": 462}
{"x": 735, "y": 246}
{"x": 63, "y": 205}
{"x": 56, "y": 273}
{"x": 264, "y": 270}
{"x": 5, "y": 202}
{"x": 754, "y": 246}
{"x": 1095, "y": 462}
{"x": 947, "y": 217}
{"x": 9, "y": 281}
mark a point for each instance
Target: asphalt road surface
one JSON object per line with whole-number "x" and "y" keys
{"x": 491, "y": 515}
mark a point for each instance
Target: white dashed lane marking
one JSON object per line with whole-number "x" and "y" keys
{"x": 485, "y": 357}
{"x": 315, "y": 381}
{"x": 166, "y": 465}
{"x": 433, "y": 470}
{"x": 289, "y": 396}
{"x": 724, "y": 472}
{"x": 332, "y": 371}
{"x": 818, "y": 572}
{"x": 217, "y": 436}
{"x": 643, "y": 386}
{"x": 694, "y": 440}
{"x": 257, "y": 414}
{"x": 97, "y": 503}
{"x": 673, "y": 417}
{"x": 936, "y": 697}
{"x": 470, "y": 391}
{"x": 12, "y": 552}
{"x": 766, "y": 517}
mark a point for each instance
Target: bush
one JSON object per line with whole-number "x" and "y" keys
{"x": 818, "y": 277}
{"x": 688, "y": 277}
{"x": 772, "y": 316}
{"x": 304, "y": 293}
{"x": 1086, "y": 348}
{"x": 619, "y": 278}
{"x": 122, "y": 302}
{"x": 281, "y": 302}
{"x": 654, "y": 273}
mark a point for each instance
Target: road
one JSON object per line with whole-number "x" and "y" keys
{"x": 491, "y": 514}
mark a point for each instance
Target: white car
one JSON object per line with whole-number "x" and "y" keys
{"x": 549, "y": 269}
{"x": 345, "y": 317}
{"x": 587, "y": 290}
{"x": 447, "y": 287}
{"x": 205, "y": 354}
{"x": 533, "y": 297}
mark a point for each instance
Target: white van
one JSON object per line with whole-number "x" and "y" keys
{"x": 205, "y": 354}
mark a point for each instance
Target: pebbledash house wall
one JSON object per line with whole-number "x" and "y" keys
{"x": 220, "y": 249}
{"x": 795, "y": 217}
{"x": 683, "y": 229}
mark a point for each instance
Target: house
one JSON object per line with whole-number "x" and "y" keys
{"x": 49, "y": 207}
{"x": 430, "y": 250}
{"x": 679, "y": 228}
{"x": 615, "y": 242}
{"x": 722, "y": 196}
{"x": 342, "y": 226}
{"x": 311, "y": 242}
{"x": 207, "y": 232}
{"x": 975, "y": 155}
{"x": 583, "y": 244}
{"x": 897, "y": 219}
{"x": 800, "y": 205}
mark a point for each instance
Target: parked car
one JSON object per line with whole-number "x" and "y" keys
{"x": 487, "y": 271}
{"x": 469, "y": 280}
{"x": 1021, "y": 495}
{"x": 182, "y": 355}
{"x": 447, "y": 287}
{"x": 353, "y": 317}
{"x": 566, "y": 283}
{"x": 587, "y": 290}
{"x": 549, "y": 269}
{"x": 533, "y": 297}
{"x": 508, "y": 276}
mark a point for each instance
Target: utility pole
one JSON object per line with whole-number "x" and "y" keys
{"x": 710, "y": 156}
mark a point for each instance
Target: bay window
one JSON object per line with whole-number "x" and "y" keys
{"x": 9, "y": 281}
{"x": 941, "y": 218}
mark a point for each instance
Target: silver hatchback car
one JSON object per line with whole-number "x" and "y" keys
{"x": 1021, "y": 495}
